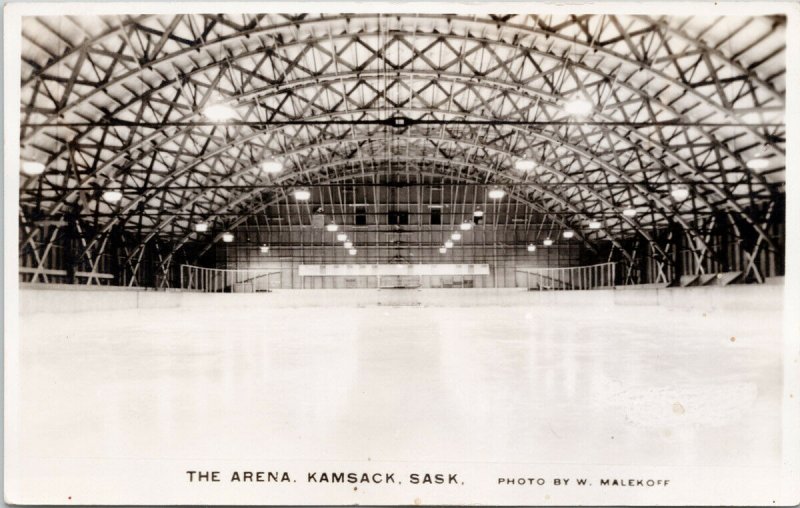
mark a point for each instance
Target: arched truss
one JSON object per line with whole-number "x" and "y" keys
{"x": 677, "y": 100}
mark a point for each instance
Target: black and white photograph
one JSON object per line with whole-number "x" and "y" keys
{"x": 523, "y": 253}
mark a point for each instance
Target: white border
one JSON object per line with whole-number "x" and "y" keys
{"x": 790, "y": 492}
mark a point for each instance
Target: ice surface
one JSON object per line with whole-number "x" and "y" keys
{"x": 568, "y": 384}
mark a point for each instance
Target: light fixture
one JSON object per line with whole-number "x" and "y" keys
{"x": 629, "y": 212}
{"x": 531, "y": 247}
{"x": 547, "y": 242}
{"x": 272, "y": 165}
{"x": 32, "y": 168}
{"x": 758, "y": 164}
{"x": 352, "y": 252}
{"x": 227, "y": 237}
{"x": 332, "y": 227}
{"x": 342, "y": 237}
{"x": 302, "y": 194}
{"x": 679, "y": 192}
{"x": 348, "y": 244}
{"x": 218, "y": 111}
{"x": 442, "y": 250}
{"x": 455, "y": 236}
{"x": 569, "y": 234}
{"x": 112, "y": 195}
{"x": 478, "y": 213}
{"x": 201, "y": 227}
{"x": 264, "y": 249}
{"x": 594, "y": 224}
{"x": 448, "y": 244}
{"x": 578, "y": 107}
{"x": 496, "y": 193}
{"x": 524, "y": 164}
{"x": 466, "y": 225}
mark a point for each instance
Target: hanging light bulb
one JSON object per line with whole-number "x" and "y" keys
{"x": 455, "y": 236}
{"x": 32, "y": 168}
{"x": 679, "y": 192}
{"x": 569, "y": 234}
{"x": 466, "y": 225}
{"x": 525, "y": 164}
{"x": 629, "y": 212}
{"x": 348, "y": 244}
{"x": 448, "y": 244}
{"x": 302, "y": 194}
{"x": 332, "y": 227}
{"x": 758, "y": 163}
{"x": 112, "y": 195}
{"x": 547, "y": 242}
{"x": 342, "y": 237}
{"x": 478, "y": 213}
{"x": 272, "y": 165}
{"x": 264, "y": 249}
{"x": 578, "y": 107}
{"x": 496, "y": 193}
{"x": 594, "y": 224}
{"x": 201, "y": 227}
{"x": 531, "y": 247}
{"x": 442, "y": 250}
{"x": 218, "y": 111}
{"x": 352, "y": 252}
{"x": 227, "y": 237}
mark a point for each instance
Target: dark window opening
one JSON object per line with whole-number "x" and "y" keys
{"x": 361, "y": 216}
{"x": 397, "y": 218}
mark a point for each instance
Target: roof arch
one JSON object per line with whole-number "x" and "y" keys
{"x": 679, "y": 99}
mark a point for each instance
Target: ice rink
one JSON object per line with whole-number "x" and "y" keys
{"x": 570, "y": 384}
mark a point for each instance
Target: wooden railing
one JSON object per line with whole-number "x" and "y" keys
{"x": 570, "y": 278}
{"x": 223, "y": 280}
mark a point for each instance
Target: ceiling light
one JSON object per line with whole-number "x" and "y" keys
{"x": 594, "y": 224}
{"x": 455, "y": 236}
{"x": 466, "y": 225}
{"x": 348, "y": 244}
{"x": 679, "y": 192}
{"x": 112, "y": 195}
{"x": 352, "y": 252}
{"x": 524, "y": 164}
{"x": 201, "y": 227}
{"x": 272, "y": 165}
{"x": 629, "y": 212}
{"x": 332, "y": 227}
{"x": 227, "y": 237}
{"x": 531, "y": 247}
{"x": 578, "y": 107}
{"x": 302, "y": 194}
{"x": 547, "y": 242}
{"x": 219, "y": 111}
{"x": 32, "y": 168}
{"x": 448, "y": 244}
{"x": 569, "y": 234}
{"x": 341, "y": 237}
{"x": 758, "y": 164}
{"x": 478, "y": 213}
{"x": 496, "y": 193}
{"x": 264, "y": 249}
{"x": 442, "y": 250}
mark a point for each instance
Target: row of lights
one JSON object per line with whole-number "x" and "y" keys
{"x": 274, "y": 165}
{"x": 547, "y": 242}
{"x": 227, "y": 236}
{"x": 465, "y": 226}
{"x": 347, "y": 243}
